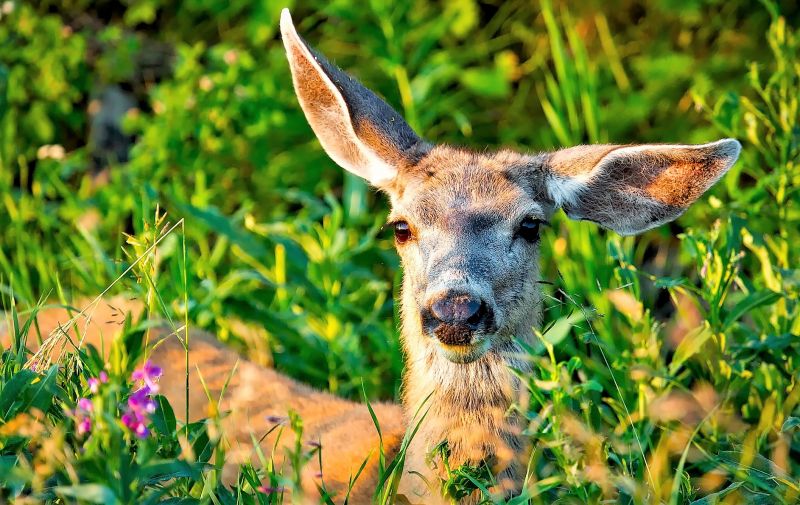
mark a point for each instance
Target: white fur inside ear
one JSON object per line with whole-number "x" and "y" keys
{"x": 333, "y": 126}
{"x": 565, "y": 190}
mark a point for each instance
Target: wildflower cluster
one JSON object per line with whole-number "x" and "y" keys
{"x": 141, "y": 403}
{"x": 137, "y": 411}
{"x": 137, "y": 416}
{"x": 84, "y": 409}
{"x": 94, "y": 382}
{"x": 82, "y": 413}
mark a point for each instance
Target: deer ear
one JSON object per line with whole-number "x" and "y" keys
{"x": 358, "y": 130}
{"x": 630, "y": 189}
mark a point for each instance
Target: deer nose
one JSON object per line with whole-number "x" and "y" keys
{"x": 459, "y": 309}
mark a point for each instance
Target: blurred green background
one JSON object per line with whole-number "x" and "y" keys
{"x": 112, "y": 109}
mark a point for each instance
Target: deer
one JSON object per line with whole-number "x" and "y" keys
{"x": 467, "y": 228}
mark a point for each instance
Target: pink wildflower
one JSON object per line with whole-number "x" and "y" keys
{"x": 84, "y": 426}
{"x": 137, "y": 417}
{"x": 94, "y": 382}
{"x": 85, "y": 406}
{"x": 141, "y": 402}
{"x": 148, "y": 373}
{"x": 82, "y": 415}
{"x": 137, "y": 423}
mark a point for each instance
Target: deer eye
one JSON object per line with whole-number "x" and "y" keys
{"x": 402, "y": 232}
{"x": 529, "y": 229}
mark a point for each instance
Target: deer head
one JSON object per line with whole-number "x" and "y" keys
{"x": 466, "y": 224}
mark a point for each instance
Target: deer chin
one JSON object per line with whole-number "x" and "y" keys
{"x": 464, "y": 353}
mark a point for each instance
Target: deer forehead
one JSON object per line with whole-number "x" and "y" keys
{"x": 455, "y": 189}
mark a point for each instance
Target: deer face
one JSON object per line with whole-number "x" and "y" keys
{"x": 467, "y": 224}
{"x": 467, "y": 230}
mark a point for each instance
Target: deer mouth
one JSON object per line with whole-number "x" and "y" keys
{"x": 466, "y": 353}
{"x": 460, "y": 343}
{"x": 456, "y": 335}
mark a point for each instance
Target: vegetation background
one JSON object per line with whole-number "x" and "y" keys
{"x": 668, "y": 368}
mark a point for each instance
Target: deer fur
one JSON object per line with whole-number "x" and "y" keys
{"x": 464, "y": 212}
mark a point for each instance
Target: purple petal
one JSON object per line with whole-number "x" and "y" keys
{"x": 152, "y": 386}
{"x": 153, "y": 370}
{"x": 129, "y": 420}
{"x": 141, "y": 431}
{"x": 84, "y": 426}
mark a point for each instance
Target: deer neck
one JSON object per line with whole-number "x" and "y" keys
{"x": 465, "y": 404}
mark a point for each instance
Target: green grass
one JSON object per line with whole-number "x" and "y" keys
{"x": 666, "y": 370}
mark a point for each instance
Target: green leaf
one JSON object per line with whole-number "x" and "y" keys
{"x": 750, "y": 302}
{"x": 591, "y": 385}
{"x": 772, "y": 343}
{"x": 715, "y": 498}
{"x": 790, "y": 423}
{"x": 216, "y": 221}
{"x": 164, "y": 416}
{"x": 26, "y": 390}
{"x": 40, "y": 394}
{"x": 201, "y": 443}
{"x": 560, "y": 329}
{"x": 167, "y": 470}
{"x": 689, "y": 346}
{"x": 488, "y": 82}
{"x": 11, "y": 391}
{"x": 463, "y": 16}
{"x": 7, "y": 464}
{"x": 3, "y": 90}
{"x": 467, "y": 478}
{"x": 574, "y": 363}
{"x": 669, "y": 282}
{"x": 93, "y": 493}
{"x": 141, "y": 12}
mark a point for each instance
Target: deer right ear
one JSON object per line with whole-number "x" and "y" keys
{"x": 358, "y": 130}
{"x": 630, "y": 189}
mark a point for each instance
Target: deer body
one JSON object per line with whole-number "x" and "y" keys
{"x": 467, "y": 230}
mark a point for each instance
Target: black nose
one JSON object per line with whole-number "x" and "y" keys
{"x": 459, "y": 309}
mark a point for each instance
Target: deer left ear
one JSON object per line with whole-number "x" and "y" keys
{"x": 630, "y": 189}
{"x": 358, "y": 130}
